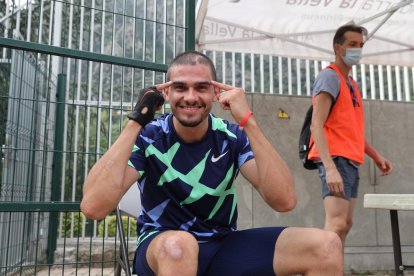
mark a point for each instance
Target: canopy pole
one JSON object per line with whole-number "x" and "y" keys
{"x": 389, "y": 13}
{"x": 201, "y": 11}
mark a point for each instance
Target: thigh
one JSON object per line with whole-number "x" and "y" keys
{"x": 300, "y": 250}
{"x": 246, "y": 252}
{"x": 351, "y": 208}
{"x": 336, "y": 209}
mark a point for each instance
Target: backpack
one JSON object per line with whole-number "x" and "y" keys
{"x": 304, "y": 141}
{"x": 305, "y": 135}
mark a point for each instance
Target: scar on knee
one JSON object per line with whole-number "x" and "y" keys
{"x": 173, "y": 248}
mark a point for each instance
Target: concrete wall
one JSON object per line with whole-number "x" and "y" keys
{"x": 389, "y": 128}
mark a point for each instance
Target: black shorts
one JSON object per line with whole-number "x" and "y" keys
{"x": 245, "y": 252}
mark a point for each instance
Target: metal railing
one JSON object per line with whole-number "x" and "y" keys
{"x": 289, "y": 76}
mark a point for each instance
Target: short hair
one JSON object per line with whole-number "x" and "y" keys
{"x": 192, "y": 58}
{"x": 339, "y": 37}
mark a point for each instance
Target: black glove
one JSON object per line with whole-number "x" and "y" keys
{"x": 149, "y": 100}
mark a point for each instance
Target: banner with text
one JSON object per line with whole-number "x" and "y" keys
{"x": 305, "y": 28}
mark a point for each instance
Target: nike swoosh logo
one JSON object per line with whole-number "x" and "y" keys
{"x": 215, "y": 159}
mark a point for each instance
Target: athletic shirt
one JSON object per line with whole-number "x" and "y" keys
{"x": 344, "y": 128}
{"x": 189, "y": 186}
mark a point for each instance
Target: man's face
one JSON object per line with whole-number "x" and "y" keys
{"x": 352, "y": 40}
{"x": 191, "y": 93}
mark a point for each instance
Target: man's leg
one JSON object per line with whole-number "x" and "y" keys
{"x": 339, "y": 211}
{"x": 308, "y": 251}
{"x": 173, "y": 253}
{"x": 338, "y": 215}
{"x": 245, "y": 252}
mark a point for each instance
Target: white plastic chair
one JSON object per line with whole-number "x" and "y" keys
{"x": 129, "y": 205}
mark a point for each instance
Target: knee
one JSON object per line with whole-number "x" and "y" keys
{"x": 344, "y": 227}
{"x": 179, "y": 245}
{"x": 341, "y": 227}
{"x": 333, "y": 244}
{"x": 349, "y": 224}
{"x": 330, "y": 251}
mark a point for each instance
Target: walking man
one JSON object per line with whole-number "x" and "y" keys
{"x": 338, "y": 131}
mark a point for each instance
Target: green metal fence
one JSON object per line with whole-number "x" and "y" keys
{"x": 74, "y": 251}
{"x": 26, "y": 158}
{"x": 69, "y": 73}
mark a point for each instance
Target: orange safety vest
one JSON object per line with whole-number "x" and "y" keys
{"x": 344, "y": 128}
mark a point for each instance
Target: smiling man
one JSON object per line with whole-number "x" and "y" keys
{"x": 185, "y": 163}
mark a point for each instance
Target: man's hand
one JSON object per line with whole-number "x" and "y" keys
{"x": 233, "y": 99}
{"x": 149, "y": 101}
{"x": 384, "y": 165}
{"x": 334, "y": 182}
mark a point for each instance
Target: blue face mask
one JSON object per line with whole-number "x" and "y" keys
{"x": 352, "y": 56}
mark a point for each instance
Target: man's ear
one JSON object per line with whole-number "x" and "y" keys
{"x": 337, "y": 48}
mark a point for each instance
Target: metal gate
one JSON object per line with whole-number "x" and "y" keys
{"x": 70, "y": 71}
{"x": 26, "y": 161}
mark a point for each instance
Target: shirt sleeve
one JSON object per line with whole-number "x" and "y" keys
{"x": 327, "y": 81}
{"x": 137, "y": 159}
{"x": 246, "y": 152}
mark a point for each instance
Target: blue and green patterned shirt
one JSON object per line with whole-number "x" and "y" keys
{"x": 189, "y": 186}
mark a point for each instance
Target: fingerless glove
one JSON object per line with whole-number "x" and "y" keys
{"x": 149, "y": 100}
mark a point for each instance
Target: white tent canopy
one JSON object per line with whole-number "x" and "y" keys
{"x": 305, "y": 28}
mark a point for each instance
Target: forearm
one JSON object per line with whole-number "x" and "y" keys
{"x": 382, "y": 163}
{"x": 321, "y": 144}
{"x": 275, "y": 181}
{"x": 371, "y": 151}
{"x": 103, "y": 187}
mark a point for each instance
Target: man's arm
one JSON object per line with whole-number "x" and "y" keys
{"x": 111, "y": 176}
{"x": 384, "y": 165}
{"x": 321, "y": 108}
{"x": 267, "y": 172}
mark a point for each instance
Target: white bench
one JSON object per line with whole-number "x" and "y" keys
{"x": 393, "y": 202}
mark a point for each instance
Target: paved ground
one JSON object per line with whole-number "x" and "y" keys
{"x": 110, "y": 272}
{"x": 77, "y": 272}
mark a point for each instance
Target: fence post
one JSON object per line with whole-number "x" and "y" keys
{"x": 57, "y": 166}
{"x": 190, "y": 31}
